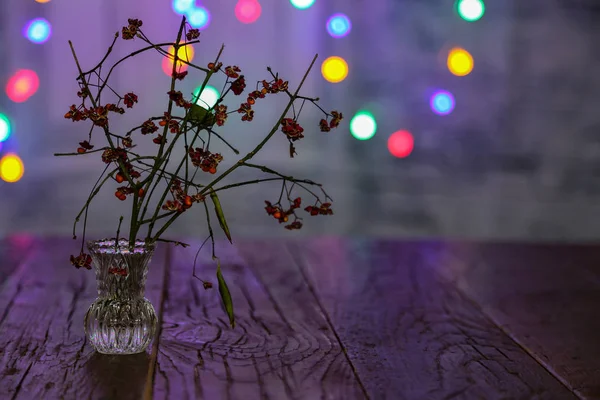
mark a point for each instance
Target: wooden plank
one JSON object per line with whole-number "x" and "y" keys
{"x": 281, "y": 347}
{"x": 43, "y": 349}
{"x": 545, "y": 296}
{"x": 14, "y": 251}
{"x": 411, "y": 334}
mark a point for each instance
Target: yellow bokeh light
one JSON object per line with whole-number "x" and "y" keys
{"x": 460, "y": 62}
{"x": 334, "y": 69}
{"x": 42, "y": 1}
{"x": 186, "y": 53}
{"x": 11, "y": 168}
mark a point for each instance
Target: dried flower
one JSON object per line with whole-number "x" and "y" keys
{"x": 192, "y": 34}
{"x": 84, "y": 146}
{"x": 129, "y": 99}
{"x": 214, "y": 67}
{"x": 291, "y": 129}
{"x": 130, "y": 31}
{"x": 232, "y": 71}
{"x": 238, "y": 86}
{"x": 247, "y": 110}
{"x": 149, "y": 127}
{"x": 82, "y": 260}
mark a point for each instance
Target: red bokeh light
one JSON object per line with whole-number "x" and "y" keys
{"x": 22, "y": 85}
{"x": 248, "y": 11}
{"x": 401, "y": 144}
{"x": 167, "y": 66}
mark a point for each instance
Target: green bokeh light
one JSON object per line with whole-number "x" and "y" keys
{"x": 208, "y": 98}
{"x": 470, "y": 10}
{"x": 302, "y": 4}
{"x": 4, "y": 127}
{"x": 363, "y": 125}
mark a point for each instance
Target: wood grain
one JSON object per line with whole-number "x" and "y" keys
{"x": 281, "y": 348}
{"x": 545, "y": 296}
{"x": 43, "y": 350}
{"x": 411, "y": 334}
{"x": 14, "y": 252}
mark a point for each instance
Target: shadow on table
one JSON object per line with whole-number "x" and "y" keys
{"x": 119, "y": 377}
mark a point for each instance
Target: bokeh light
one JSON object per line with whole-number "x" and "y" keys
{"x": 11, "y": 168}
{"x": 185, "y": 53}
{"x": 37, "y": 30}
{"x": 442, "y": 102}
{"x": 182, "y": 6}
{"x": 4, "y": 128}
{"x": 302, "y": 4}
{"x": 247, "y": 11}
{"x": 363, "y": 125}
{"x": 339, "y": 25}
{"x": 42, "y": 1}
{"x": 208, "y": 98}
{"x": 460, "y": 62}
{"x": 198, "y": 17}
{"x": 334, "y": 69}
{"x": 470, "y": 10}
{"x": 22, "y": 85}
{"x": 401, "y": 143}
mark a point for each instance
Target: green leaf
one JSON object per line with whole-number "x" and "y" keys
{"x": 220, "y": 215}
{"x": 201, "y": 115}
{"x": 225, "y": 295}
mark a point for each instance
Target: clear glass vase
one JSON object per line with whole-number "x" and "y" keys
{"x": 121, "y": 320}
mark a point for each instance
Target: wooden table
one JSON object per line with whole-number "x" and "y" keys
{"x": 324, "y": 318}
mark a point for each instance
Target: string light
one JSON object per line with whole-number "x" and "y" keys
{"x": 363, "y": 125}
{"x": 37, "y": 30}
{"x": 198, "y": 17}
{"x": 401, "y": 144}
{"x": 4, "y": 128}
{"x": 22, "y": 85}
{"x": 470, "y": 10}
{"x": 442, "y": 102}
{"x": 247, "y": 11}
{"x": 302, "y": 4}
{"x": 182, "y": 6}
{"x": 185, "y": 53}
{"x": 11, "y": 168}
{"x": 338, "y": 25}
{"x": 334, "y": 69}
{"x": 460, "y": 62}
{"x": 208, "y": 98}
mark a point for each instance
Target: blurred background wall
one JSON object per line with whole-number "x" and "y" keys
{"x": 513, "y": 151}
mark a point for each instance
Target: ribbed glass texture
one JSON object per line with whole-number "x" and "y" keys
{"x": 121, "y": 320}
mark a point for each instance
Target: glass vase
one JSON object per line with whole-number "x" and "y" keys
{"x": 121, "y": 320}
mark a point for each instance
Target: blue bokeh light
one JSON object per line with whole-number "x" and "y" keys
{"x": 182, "y": 6}
{"x": 442, "y": 102}
{"x": 38, "y": 30}
{"x": 339, "y": 25}
{"x": 198, "y": 17}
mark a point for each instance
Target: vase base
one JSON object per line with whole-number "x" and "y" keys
{"x": 125, "y": 353}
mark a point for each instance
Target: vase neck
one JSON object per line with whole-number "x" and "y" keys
{"x": 121, "y": 275}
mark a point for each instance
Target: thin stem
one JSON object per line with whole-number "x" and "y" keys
{"x": 93, "y": 193}
{"x": 118, "y": 233}
{"x": 175, "y": 242}
{"x": 244, "y": 183}
{"x": 236, "y": 151}
{"x": 79, "y": 154}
